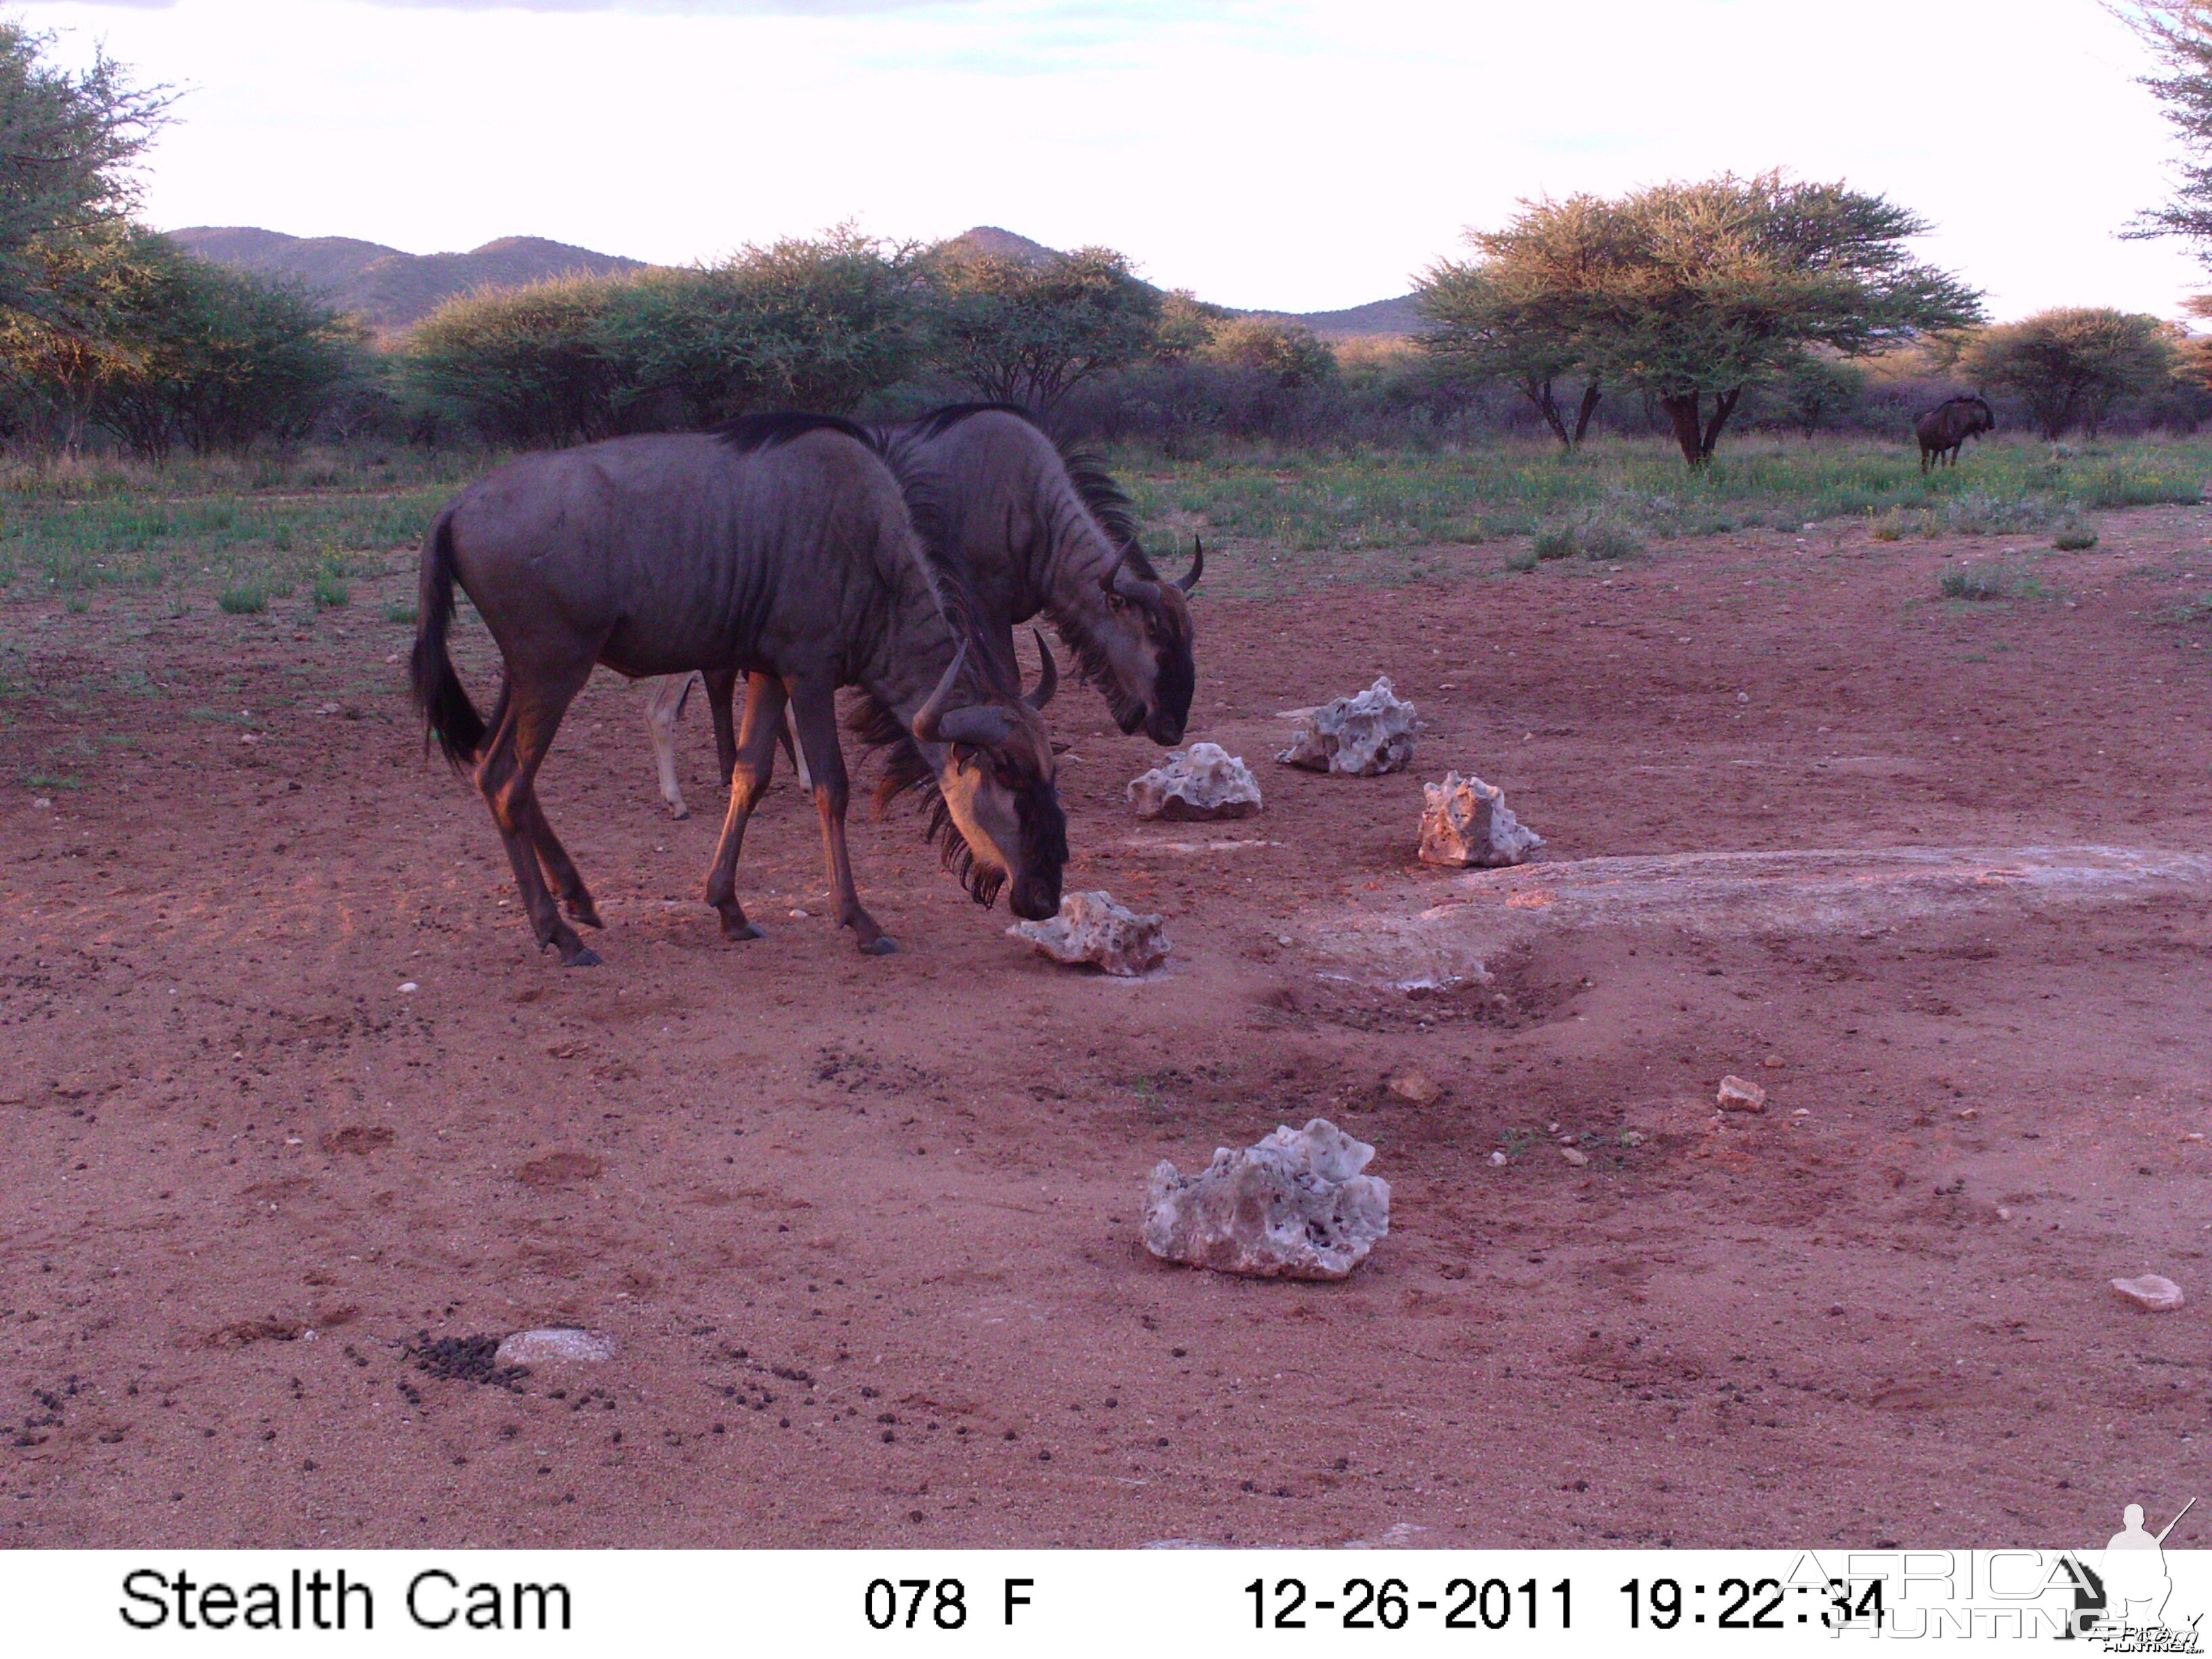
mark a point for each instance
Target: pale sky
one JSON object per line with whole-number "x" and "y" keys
{"x": 1291, "y": 154}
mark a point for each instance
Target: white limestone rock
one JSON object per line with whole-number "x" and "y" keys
{"x": 1091, "y": 928}
{"x": 2153, "y": 1292}
{"x": 1294, "y": 1205}
{"x": 1362, "y": 735}
{"x": 1203, "y": 782}
{"x": 557, "y": 1345}
{"x": 1468, "y": 824}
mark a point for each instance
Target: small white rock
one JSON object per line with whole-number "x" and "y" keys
{"x": 1467, "y": 824}
{"x": 1294, "y": 1205}
{"x": 2151, "y": 1292}
{"x": 1202, "y": 782}
{"x": 43, "y": 803}
{"x": 408, "y": 988}
{"x": 1361, "y": 736}
{"x": 556, "y": 1345}
{"x": 1092, "y": 928}
{"x": 1738, "y": 1096}
{"x": 1574, "y": 1155}
{"x": 1497, "y": 1160}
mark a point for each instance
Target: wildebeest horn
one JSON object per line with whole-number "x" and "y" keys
{"x": 1118, "y": 579}
{"x": 1047, "y": 676}
{"x": 927, "y": 718}
{"x": 1197, "y": 566}
{"x": 979, "y": 725}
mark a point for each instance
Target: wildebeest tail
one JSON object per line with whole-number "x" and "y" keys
{"x": 452, "y": 718}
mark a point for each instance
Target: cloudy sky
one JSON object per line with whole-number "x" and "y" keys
{"x": 1286, "y": 154}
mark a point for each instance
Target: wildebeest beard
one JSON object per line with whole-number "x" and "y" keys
{"x": 1043, "y": 826}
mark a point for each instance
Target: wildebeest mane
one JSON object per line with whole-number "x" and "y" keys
{"x": 904, "y": 768}
{"x": 1108, "y": 502}
{"x": 766, "y": 429}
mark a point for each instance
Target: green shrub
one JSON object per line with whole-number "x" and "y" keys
{"x": 1593, "y": 534}
{"x": 330, "y": 592}
{"x": 1892, "y": 526}
{"x": 243, "y": 601}
{"x": 399, "y": 610}
{"x": 1972, "y": 584}
{"x": 1523, "y": 560}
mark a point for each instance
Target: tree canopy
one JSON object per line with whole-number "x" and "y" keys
{"x": 1030, "y": 330}
{"x": 66, "y": 145}
{"x": 2069, "y": 365}
{"x": 2179, "y": 32}
{"x": 1690, "y": 292}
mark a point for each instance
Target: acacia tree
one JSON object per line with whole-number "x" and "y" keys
{"x": 1513, "y": 313}
{"x": 811, "y": 324}
{"x": 2070, "y": 365}
{"x": 66, "y": 145}
{"x": 1692, "y": 293}
{"x": 1030, "y": 330}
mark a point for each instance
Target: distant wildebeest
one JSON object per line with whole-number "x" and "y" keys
{"x": 1034, "y": 528}
{"x": 782, "y": 547}
{"x": 1944, "y": 430}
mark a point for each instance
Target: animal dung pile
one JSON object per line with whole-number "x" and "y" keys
{"x": 1294, "y": 1205}
{"x": 1201, "y": 782}
{"x": 1360, "y": 737}
{"x": 1091, "y": 927}
{"x": 1466, "y": 823}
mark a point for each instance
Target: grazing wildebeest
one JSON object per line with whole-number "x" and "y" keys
{"x": 1944, "y": 430}
{"x": 1035, "y": 528}
{"x": 781, "y": 547}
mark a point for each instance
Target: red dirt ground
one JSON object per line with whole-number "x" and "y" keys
{"x": 867, "y": 1229}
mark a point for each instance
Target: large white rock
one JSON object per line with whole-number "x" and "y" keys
{"x": 1466, "y": 823}
{"x": 1361, "y": 736}
{"x": 1294, "y": 1205}
{"x": 1091, "y": 928}
{"x": 1202, "y": 781}
{"x": 556, "y": 1345}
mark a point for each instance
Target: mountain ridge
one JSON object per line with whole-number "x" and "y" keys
{"x": 391, "y": 289}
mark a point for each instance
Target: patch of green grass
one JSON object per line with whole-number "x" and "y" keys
{"x": 400, "y": 612}
{"x": 1525, "y": 561}
{"x": 245, "y": 601}
{"x": 1973, "y": 583}
{"x": 330, "y": 592}
{"x": 53, "y": 780}
{"x": 1329, "y": 516}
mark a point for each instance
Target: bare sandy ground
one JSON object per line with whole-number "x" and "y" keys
{"x": 866, "y": 1230}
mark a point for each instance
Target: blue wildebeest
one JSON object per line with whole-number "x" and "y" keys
{"x": 783, "y": 548}
{"x": 1944, "y": 430}
{"x": 1035, "y": 528}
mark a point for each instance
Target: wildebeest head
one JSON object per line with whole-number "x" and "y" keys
{"x": 1151, "y": 678}
{"x": 995, "y": 782}
{"x": 1982, "y": 417}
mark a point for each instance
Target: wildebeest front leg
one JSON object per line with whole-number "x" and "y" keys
{"x": 815, "y": 711}
{"x": 750, "y": 772}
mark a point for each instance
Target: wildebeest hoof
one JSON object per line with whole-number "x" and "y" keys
{"x": 679, "y": 813}
{"x": 882, "y": 945}
{"x": 737, "y": 933}
{"x": 583, "y": 956}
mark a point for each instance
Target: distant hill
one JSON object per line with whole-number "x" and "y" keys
{"x": 989, "y": 239}
{"x": 389, "y": 289}
{"x": 1378, "y": 320}
{"x": 385, "y": 288}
